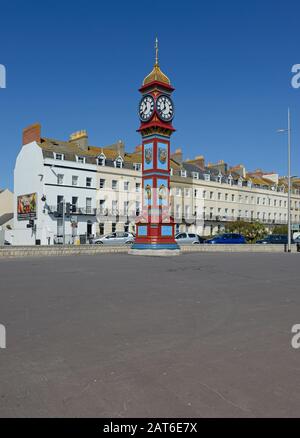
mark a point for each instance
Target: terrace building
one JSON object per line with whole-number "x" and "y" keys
{"x": 69, "y": 191}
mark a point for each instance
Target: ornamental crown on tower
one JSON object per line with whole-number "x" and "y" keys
{"x": 156, "y": 74}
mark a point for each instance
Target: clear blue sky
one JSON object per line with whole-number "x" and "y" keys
{"x": 78, "y": 65}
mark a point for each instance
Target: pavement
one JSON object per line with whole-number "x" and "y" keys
{"x": 112, "y": 335}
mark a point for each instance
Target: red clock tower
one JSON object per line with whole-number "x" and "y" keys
{"x": 155, "y": 227}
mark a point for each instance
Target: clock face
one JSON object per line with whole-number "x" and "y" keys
{"x": 146, "y": 108}
{"x": 165, "y": 108}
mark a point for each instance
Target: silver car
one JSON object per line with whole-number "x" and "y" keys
{"x": 115, "y": 239}
{"x": 188, "y": 239}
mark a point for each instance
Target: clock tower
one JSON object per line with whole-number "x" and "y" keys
{"x": 155, "y": 227}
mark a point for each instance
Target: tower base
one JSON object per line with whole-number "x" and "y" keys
{"x": 156, "y": 250}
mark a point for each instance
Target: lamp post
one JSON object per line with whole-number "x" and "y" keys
{"x": 288, "y": 130}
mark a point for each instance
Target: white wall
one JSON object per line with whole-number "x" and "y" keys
{"x": 28, "y": 178}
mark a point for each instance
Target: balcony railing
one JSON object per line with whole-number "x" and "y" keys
{"x": 214, "y": 218}
{"x": 74, "y": 210}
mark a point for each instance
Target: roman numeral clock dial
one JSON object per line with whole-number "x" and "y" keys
{"x": 146, "y": 108}
{"x": 165, "y": 108}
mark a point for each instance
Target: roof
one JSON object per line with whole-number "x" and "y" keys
{"x": 71, "y": 150}
{"x": 156, "y": 75}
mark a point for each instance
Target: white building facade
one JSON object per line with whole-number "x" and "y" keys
{"x": 68, "y": 192}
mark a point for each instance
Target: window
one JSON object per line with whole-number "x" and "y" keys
{"x": 102, "y": 183}
{"x": 89, "y": 182}
{"x": 88, "y": 203}
{"x": 219, "y": 196}
{"x": 126, "y": 186}
{"x": 207, "y": 177}
{"x": 74, "y": 180}
{"x": 119, "y": 163}
{"x": 178, "y": 191}
{"x": 183, "y": 173}
{"x": 126, "y": 205}
{"x": 113, "y": 227}
{"x": 226, "y": 196}
{"x": 211, "y": 195}
{"x": 232, "y": 198}
{"x": 195, "y": 175}
{"x": 60, "y": 179}
{"x": 81, "y": 160}
{"x": 58, "y": 156}
{"x": 137, "y": 166}
{"x": 102, "y": 206}
{"x": 137, "y": 208}
{"x": 101, "y": 160}
{"x": 74, "y": 206}
{"x": 114, "y": 184}
{"x": 114, "y": 206}
{"x": 195, "y": 193}
{"x": 137, "y": 187}
{"x": 258, "y": 201}
{"x": 101, "y": 229}
{"x": 204, "y": 194}
{"x": 187, "y": 192}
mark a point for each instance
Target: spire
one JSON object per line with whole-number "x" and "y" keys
{"x": 156, "y": 75}
{"x": 156, "y": 51}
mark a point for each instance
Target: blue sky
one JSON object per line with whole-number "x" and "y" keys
{"x": 78, "y": 65}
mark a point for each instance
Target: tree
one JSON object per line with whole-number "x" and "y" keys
{"x": 251, "y": 230}
{"x": 280, "y": 229}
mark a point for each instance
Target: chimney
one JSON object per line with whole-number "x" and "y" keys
{"x": 120, "y": 148}
{"x": 177, "y": 155}
{"x": 199, "y": 161}
{"x": 81, "y": 138}
{"x": 31, "y": 133}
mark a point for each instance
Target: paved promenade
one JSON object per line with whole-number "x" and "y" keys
{"x": 203, "y": 334}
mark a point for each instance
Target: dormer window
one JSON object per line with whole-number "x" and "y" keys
{"x": 118, "y": 162}
{"x": 81, "y": 160}
{"x": 137, "y": 166}
{"x": 58, "y": 156}
{"x": 249, "y": 184}
{"x": 101, "y": 160}
{"x": 183, "y": 173}
{"x": 207, "y": 177}
{"x": 195, "y": 175}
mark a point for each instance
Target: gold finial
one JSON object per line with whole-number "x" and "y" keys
{"x": 156, "y": 51}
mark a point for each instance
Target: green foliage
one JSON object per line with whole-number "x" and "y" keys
{"x": 252, "y": 231}
{"x": 280, "y": 229}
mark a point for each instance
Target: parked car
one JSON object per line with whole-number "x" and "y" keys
{"x": 228, "y": 238}
{"x": 118, "y": 238}
{"x": 274, "y": 239}
{"x": 188, "y": 239}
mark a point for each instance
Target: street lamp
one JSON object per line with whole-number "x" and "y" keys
{"x": 288, "y": 130}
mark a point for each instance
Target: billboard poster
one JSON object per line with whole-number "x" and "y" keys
{"x": 26, "y": 208}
